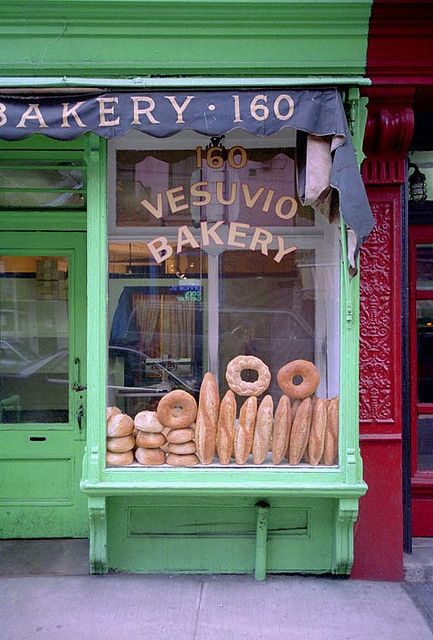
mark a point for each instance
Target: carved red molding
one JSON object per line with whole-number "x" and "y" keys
{"x": 380, "y": 315}
{"x": 388, "y": 134}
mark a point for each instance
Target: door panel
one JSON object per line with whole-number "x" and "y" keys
{"x": 421, "y": 358}
{"x": 42, "y": 418}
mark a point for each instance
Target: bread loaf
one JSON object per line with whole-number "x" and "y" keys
{"x": 226, "y": 427}
{"x": 316, "y": 440}
{"x": 119, "y": 459}
{"x": 149, "y": 440}
{"x": 119, "y": 425}
{"x": 330, "y": 451}
{"x": 294, "y": 406}
{"x": 111, "y": 411}
{"x": 281, "y": 430}
{"x": 245, "y": 433}
{"x": 182, "y": 449}
{"x": 150, "y": 456}
{"x": 148, "y": 422}
{"x": 178, "y": 436}
{"x": 263, "y": 429}
{"x": 207, "y": 419}
{"x": 176, "y": 460}
{"x": 300, "y": 432}
{"x": 120, "y": 445}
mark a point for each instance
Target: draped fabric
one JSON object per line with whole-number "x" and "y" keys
{"x": 178, "y": 328}
{"x": 147, "y": 312}
{"x": 328, "y": 174}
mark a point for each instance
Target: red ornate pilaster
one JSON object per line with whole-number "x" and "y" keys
{"x": 379, "y": 537}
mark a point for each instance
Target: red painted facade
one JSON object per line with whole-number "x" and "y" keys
{"x": 399, "y": 63}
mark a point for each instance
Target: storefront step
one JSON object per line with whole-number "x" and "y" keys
{"x": 51, "y": 557}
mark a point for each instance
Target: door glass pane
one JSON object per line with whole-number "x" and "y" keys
{"x": 424, "y": 266}
{"x": 425, "y": 443}
{"x": 424, "y": 323}
{"x": 33, "y": 339}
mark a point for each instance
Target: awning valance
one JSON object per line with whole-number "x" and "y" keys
{"x": 325, "y": 156}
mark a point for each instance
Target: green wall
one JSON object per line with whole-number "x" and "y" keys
{"x": 188, "y": 37}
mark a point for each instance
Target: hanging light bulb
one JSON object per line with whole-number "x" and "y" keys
{"x": 417, "y": 185}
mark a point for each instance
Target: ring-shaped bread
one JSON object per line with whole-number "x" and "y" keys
{"x": 310, "y": 379}
{"x": 177, "y": 409}
{"x": 241, "y": 387}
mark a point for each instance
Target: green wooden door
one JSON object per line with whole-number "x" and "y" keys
{"x": 42, "y": 375}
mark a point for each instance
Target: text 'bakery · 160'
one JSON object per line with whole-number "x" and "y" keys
{"x": 302, "y": 430}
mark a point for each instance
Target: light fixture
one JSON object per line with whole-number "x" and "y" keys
{"x": 417, "y": 185}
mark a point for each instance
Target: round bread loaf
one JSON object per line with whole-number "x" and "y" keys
{"x": 149, "y": 457}
{"x": 175, "y": 460}
{"x": 179, "y": 436}
{"x": 300, "y": 432}
{"x": 242, "y": 387}
{"x": 245, "y": 433}
{"x": 119, "y": 459}
{"x": 298, "y": 368}
{"x": 111, "y": 411}
{"x": 182, "y": 449}
{"x": 263, "y": 429}
{"x": 148, "y": 422}
{"x": 330, "y": 450}
{"x": 149, "y": 440}
{"x": 316, "y": 442}
{"x": 120, "y": 445}
{"x": 207, "y": 419}
{"x": 281, "y": 430}
{"x": 119, "y": 425}
{"x": 177, "y": 409}
{"x": 226, "y": 427}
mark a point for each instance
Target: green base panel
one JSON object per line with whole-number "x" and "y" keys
{"x": 217, "y": 536}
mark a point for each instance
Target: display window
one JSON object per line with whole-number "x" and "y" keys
{"x": 223, "y": 306}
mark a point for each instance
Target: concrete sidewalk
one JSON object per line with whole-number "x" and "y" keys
{"x": 138, "y": 607}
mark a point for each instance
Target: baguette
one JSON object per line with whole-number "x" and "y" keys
{"x": 300, "y": 432}
{"x": 207, "y": 419}
{"x": 226, "y": 427}
{"x": 245, "y": 433}
{"x": 263, "y": 430}
{"x": 294, "y": 406}
{"x": 330, "y": 451}
{"x": 282, "y": 428}
{"x": 316, "y": 442}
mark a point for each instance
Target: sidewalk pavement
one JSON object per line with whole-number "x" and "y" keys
{"x": 52, "y": 606}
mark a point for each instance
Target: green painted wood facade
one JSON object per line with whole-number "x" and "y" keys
{"x": 197, "y": 520}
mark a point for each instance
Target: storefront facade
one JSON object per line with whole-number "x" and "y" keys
{"x": 199, "y": 251}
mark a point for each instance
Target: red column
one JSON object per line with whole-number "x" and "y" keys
{"x": 379, "y": 530}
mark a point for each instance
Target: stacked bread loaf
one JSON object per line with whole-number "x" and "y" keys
{"x": 149, "y": 439}
{"x": 177, "y": 412}
{"x": 120, "y": 438}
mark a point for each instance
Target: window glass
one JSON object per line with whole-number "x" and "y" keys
{"x": 219, "y": 270}
{"x": 33, "y": 339}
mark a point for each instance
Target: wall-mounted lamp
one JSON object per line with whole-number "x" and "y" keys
{"x": 417, "y": 185}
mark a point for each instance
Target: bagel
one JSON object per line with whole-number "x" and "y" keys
{"x": 152, "y": 457}
{"x": 175, "y": 460}
{"x": 119, "y": 425}
{"x": 179, "y": 436}
{"x": 241, "y": 387}
{"x": 119, "y": 459}
{"x": 149, "y": 440}
{"x": 120, "y": 445}
{"x": 111, "y": 411}
{"x": 177, "y": 409}
{"x": 304, "y": 369}
{"x": 148, "y": 422}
